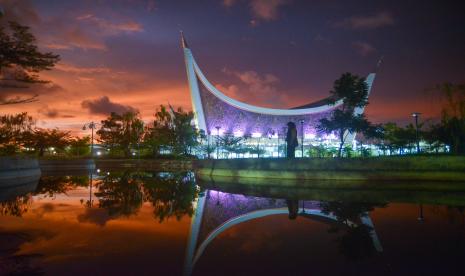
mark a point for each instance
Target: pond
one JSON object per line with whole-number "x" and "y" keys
{"x": 166, "y": 223}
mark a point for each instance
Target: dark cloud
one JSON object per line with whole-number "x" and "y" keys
{"x": 71, "y": 29}
{"x": 52, "y": 113}
{"x": 104, "y": 106}
{"x": 19, "y": 11}
{"x": 95, "y": 216}
{"x": 22, "y": 91}
{"x": 48, "y": 112}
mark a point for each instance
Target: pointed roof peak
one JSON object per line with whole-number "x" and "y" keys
{"x": 183, "y": 40}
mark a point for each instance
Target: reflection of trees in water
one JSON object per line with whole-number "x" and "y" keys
{"x": 356, "y": 242}
{"x": 171, "y": 194}
{"x": 16, "y": 206}
{"x": 47, "y": 186}
{"x": 52, "y": 185}
{"x": 120, "y": 194}
{"x": 454, "y": 214}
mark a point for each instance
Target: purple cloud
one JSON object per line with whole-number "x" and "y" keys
{"x": 104, "y": 106}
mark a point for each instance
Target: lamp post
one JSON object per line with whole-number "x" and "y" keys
{"x": 302, "y": 139}
{"x": 416, "y": 115}
{"x": 91, "y": 125}
{"x": 285, "y": 141}
{"x": 258, "y": 147}
{"x": 90, "y": 189}
{"x": 217, "y": 141}
{"x": 208, "y": 144}
{"x": 421, "y": 218}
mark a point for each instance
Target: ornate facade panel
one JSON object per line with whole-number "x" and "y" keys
{"x": 233, "y": 120}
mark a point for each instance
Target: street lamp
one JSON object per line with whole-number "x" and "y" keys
{"x": 208, "y": 144}
{"x": 416, "y": 115}
{"x": 91, "y": 125}
{"x": 421, "y": 218}
{"x": 217, "y": 141}
{"x": 302, "y": 139}
{"x": 285, "y": 139}
{"x": 90, "y": 189}
{"x": 139, "y": 131}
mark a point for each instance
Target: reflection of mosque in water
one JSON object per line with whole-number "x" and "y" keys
{"x": 216, "y": 212}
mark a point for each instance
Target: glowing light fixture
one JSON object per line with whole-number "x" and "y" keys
{"x": 310, "y": 136}
{"x": 238, "y": 133}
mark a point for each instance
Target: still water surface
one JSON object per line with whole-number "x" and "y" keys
{"x": 150, "y": 223}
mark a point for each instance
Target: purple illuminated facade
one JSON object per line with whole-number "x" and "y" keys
{"x": 216, "y": 113}
{"x": 242, "y": 122}
{"x": 216, "y": 212}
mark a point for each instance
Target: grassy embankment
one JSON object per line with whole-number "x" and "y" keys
{"x": 420, "y": 168}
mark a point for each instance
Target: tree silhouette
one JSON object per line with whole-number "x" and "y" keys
{"x": 356, "y": 242}
{"x": 21, "y": 61}
{"x": 171, "y": 195}
{"x": 13, "y": 129}
{"x": 43, "y": 139}
{"x": 121, "y": 131}
{"x": 172, "y": 130}
{"x": 353, "y": 91}
{"x": 120, "y": 194}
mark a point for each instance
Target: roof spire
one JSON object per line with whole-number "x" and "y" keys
{"x": 183, "y": 40}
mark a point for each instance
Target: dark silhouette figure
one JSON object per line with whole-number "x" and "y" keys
{"x": 293, "y": 206}
{"x": 291, "y": 140}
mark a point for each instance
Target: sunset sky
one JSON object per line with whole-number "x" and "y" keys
{"x": 125, "y": 54}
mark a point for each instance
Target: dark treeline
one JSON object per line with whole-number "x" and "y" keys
{"x": 447, "y": 135}
{"x": 120, "y": 135}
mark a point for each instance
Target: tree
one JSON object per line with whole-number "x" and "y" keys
{"x": 21, "y": 61}
{"x": 436, "y": 136}
{"x": 399, "y": 138}
{"x": 205, "y": 147}
{"x": 160, "y": 134}
{"x": 16, "y": 206}
{"x": 121, "y": 132}
{"x": 121, "y": 194}
{"x": 79, "y": 146}
{"x": 43, "y": 139}
{"x": 452, "y": 127}
{"x": 230, "y": 143}
{"x": 186, "y": 135}
{"x": 171, "y": 195}
{"x": 172, "y": 130}
{"x": 12, "y": 130}
{"x": 352, "y": 90}
{"x": 51, "y": 186}
{"x": 356, "y": 243}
